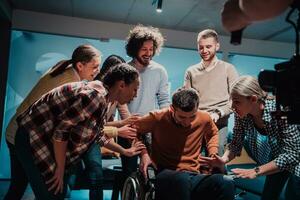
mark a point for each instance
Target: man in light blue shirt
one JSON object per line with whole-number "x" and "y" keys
{"x": 154, "y": 89}
{"x": 143, "y": 43}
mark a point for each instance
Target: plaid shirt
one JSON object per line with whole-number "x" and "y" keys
{"x": 73, "y": 112}
{"x": 283, "y": 138}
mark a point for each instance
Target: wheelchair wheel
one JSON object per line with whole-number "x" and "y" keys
{"x": 135, "y": 188}
{"x": 131, "y": 189}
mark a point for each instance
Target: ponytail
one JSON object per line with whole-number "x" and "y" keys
{"x": 60, "y": 67}
{"x": 83, "y": 53}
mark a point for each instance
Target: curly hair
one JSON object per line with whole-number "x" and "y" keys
{"x": 138, "y": 35}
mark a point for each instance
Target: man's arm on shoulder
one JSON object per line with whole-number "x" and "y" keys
{"x": 146, "y": 123}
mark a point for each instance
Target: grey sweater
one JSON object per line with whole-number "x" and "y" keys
{"x": 213, "y": 85}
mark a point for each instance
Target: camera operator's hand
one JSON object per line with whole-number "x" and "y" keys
{"x": 237, "y": 14}
{"x": 233, "y": 18}
{"x": 262, "y": 10}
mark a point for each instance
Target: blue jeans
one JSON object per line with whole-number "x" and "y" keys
{"x": 93, "y": 167}
{"x": 274, "y": 185}
{"x": 19, "y": 180}
{"x": 177, "y": 185}
{"x": 36, "y": 180}
{"x": 293, "y": 188}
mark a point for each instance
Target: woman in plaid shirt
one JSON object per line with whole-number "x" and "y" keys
{"x": 253, "y": 118}
{"x": 56, "y": 130}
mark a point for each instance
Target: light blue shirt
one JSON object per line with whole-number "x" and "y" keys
{"x": 154, "y": 90}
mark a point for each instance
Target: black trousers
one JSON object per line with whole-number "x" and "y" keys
{"x": 19, "y": 180}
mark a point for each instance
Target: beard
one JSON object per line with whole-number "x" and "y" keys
{"x": 144, "y": 62}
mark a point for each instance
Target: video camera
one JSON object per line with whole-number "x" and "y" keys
{"x": 284, "y": 82}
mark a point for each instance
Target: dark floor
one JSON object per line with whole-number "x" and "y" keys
{"x": 75, "y": 195}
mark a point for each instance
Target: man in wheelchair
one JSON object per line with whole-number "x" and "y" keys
{"x": 178, "y": 133}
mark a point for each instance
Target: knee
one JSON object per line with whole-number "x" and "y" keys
{"x": 223, "y": 181}
{"x": 172, "y": 185}
{"x": 181, "y": 179}
{"x": 173, "y": 179}
{"x": 225, "y": 186}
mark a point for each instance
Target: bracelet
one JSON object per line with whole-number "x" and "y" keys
{"x": 257, "y": 170}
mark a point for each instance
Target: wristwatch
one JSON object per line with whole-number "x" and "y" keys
{"x": 257, "y": 170}
{"x": 218, "y": 113}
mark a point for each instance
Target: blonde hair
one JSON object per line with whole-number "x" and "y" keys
{"x": 247, "y": 86}
{"x": 207, "y": 33}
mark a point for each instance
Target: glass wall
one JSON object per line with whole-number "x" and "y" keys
{"x": 31, "y": 54}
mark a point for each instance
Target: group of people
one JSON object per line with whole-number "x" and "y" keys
{"x": 69, "y": 115}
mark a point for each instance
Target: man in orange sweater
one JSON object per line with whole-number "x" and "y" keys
{"x": 177, "y": 135}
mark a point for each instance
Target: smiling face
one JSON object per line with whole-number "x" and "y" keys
{"x": 89, "y": 70}
{"x": 183, "y": 118}
{"x": 207, "y": 48}
{"x": 145, "y": 54}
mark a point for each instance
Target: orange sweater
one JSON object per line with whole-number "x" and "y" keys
{"x": 176, "y": 147}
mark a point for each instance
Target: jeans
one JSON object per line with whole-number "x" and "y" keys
{"x": 93, "y": 167}
{"x": 273, "y": 186}
{"x": 19, "y": 180}
{"x": 36, "y": 180}
{"x": 178, "y": 185}
{"x": 293, "y": 188}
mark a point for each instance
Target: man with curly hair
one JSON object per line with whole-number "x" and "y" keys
{"x": 143, "y": 43}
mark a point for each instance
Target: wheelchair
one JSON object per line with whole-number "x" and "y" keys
{"x": 137, "y": 188}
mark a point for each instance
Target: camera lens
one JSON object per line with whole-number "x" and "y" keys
{"x": 267, "y": 80}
